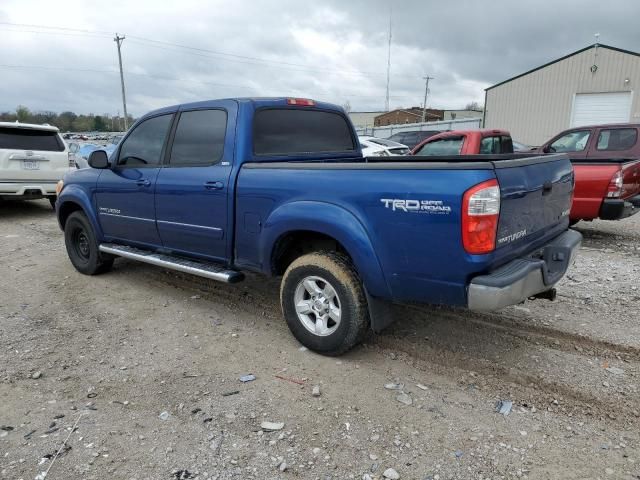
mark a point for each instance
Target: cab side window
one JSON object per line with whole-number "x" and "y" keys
{"x": 143, "y": 147}
{"x": 571, "y": 142}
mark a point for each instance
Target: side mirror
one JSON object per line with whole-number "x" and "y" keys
{"x": 99, "y": 159}
{"x": 74, "y": 147}
{"x": 546, "y": 149}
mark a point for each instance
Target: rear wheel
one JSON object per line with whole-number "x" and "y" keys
{"x": 323, "y": 302}
{"x": 82, "y": 246}
{"x": 52, "y": 201}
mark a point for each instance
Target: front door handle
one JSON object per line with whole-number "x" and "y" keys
{"x": 143, "y": 182}
{"x": 214, "y": 185}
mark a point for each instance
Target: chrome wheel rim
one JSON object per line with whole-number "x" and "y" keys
{"x": 318, "y": 306}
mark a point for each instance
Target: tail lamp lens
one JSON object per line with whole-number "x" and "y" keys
{"x": 614, "y": 190}
{"x": 480, "y": 213}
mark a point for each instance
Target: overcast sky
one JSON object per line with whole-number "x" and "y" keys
{"x": 330, "y": 50}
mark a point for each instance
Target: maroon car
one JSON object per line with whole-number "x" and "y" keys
{"x": 606, "y": 162}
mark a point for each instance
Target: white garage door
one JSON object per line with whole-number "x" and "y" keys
{"x": 597, "y": 108}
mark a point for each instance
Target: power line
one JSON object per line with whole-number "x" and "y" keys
{"x": 202, "y": 51}
{"x": 154, "y": 76}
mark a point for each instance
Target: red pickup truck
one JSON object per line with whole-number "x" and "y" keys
{"x": 466, "y": 142}
{"x": 606, "y": 162}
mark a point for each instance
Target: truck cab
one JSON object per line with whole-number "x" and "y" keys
{"x": 466, "y": 142}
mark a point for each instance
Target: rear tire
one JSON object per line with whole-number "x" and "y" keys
{"x": 52, "y": 201}
{"x": 82, "y": 246}
{"x": 323, "y": 302}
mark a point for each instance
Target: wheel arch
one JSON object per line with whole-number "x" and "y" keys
{"x": 320, "y": 224}
{"x": 74, "y": 199}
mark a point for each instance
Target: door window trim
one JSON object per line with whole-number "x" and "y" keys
{"x": 166, "y": 157}
{"x": 116, "y": 163}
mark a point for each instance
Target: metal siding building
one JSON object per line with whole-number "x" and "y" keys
{"x": 542, "y": 102}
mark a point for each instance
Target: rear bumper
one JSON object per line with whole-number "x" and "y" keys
{"x": 525, "y": 277}
{"x": 616, "y": 209}
{"x": 25, "y": 189}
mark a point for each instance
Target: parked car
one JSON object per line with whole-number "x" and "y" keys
{"x": 279, "y": 186}
{"x": 33, "y": 158}
{"x": 413, "y": 137}
{"x": 606, "y": 161}
{"x": 373, "y": 146}
{"x": 466, "y": 142}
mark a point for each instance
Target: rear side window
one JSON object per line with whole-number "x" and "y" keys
{"x": 617, "y": 139}
{"x": 199, "y": 138}
{"x": 294, "y": 131}
{"x": 443, "y": 146}
{"x": 29, "y": 139}
{"x": 496, "y": 145}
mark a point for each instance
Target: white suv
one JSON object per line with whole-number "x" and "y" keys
{"x": 32, "y": 160}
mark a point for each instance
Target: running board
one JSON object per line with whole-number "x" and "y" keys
{"x": 172, "y": 262}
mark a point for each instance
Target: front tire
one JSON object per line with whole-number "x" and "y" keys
{"x": 82, "y": 246}
{"x": 323, "y": 302}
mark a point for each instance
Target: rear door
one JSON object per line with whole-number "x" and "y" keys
{"x": 193, "y": 186}
{"x": 125, "y": 193}
{"x": 31, "y": 154}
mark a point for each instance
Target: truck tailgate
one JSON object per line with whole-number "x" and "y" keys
{"x": 536, "y": 195}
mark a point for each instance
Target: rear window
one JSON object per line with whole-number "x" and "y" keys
{"x": 443, "y": 146}
{"x": 617, "y": 139}
{"x": 29, "y": 139}
{"x": 295, "y": 131}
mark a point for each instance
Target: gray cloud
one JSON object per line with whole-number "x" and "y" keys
{"x": 321, "y": 46}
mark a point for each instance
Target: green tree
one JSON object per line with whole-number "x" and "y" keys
{"x": 99, "y": 124}
{"x": 65, "y": 121}
{"x": 23, "y": 113}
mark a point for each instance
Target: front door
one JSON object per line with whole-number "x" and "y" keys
{"x": 125, "y": 193}
{"x": 192, "y": 187}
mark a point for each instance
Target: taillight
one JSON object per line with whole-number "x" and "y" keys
{"x": 302, "y": 102}
{"x": 480, "y": 212}
{"x": 614, "y": 190}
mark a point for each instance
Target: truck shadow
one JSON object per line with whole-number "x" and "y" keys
{"x": 27, "y": 209}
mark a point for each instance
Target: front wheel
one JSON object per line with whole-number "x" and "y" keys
{"x": 323, "y": 302}
{"x": 82, "y": 246}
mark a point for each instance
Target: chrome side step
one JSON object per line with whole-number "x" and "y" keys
{"x": 181, "y": 264}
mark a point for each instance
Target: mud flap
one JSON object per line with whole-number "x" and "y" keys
{"x": 380, "y": 312}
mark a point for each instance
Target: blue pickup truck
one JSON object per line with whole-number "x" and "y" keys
{"x": 279, "y": 186}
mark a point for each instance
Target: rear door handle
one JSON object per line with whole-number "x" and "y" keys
{"x": 214, "y": 185}
{"x": 143, "y": 183}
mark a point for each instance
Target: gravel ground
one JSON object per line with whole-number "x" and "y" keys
{"x": 145, "y": 363}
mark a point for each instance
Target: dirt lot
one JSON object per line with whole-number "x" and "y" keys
{"x": 146, "y": 363}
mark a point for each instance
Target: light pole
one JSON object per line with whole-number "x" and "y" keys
{"x": 426, "y": 93}
{"x": 119, "y": 41}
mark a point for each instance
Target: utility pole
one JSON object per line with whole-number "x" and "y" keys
{"x": 119, "y": 41}
{"x": 386, "y": 101}
{"x": 426, "y": 93}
